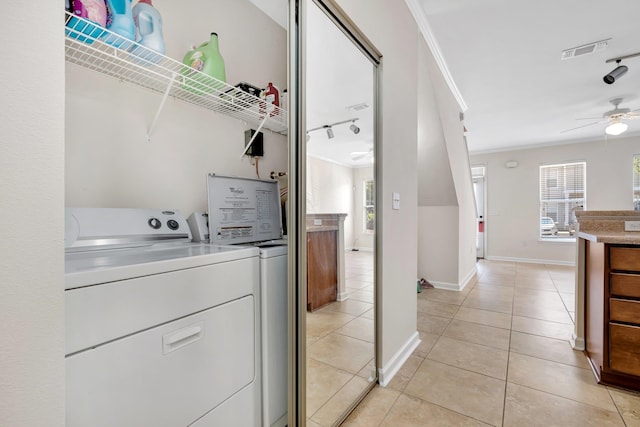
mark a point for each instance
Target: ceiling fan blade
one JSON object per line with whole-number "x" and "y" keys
{"x": 588, "y": 118}
{"x": 358, "y": 155}
{"x": 583, "y": 126}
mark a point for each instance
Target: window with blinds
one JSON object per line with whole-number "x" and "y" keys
{"x": 369, "y": 206}
{"x": 562, "y": 193}
{"x": 636, "y": 182}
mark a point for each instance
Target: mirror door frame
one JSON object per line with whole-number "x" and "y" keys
{"x": 296, "y": 226}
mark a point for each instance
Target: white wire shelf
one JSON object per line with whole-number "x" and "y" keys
{"x": 93, "y": 47}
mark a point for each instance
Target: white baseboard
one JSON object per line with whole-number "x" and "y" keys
{"x": 469, "y": 278}
{"x": 386, "y": 373}
{"x": 577, "y": 343}
{"x": 342, "y": 296}
{"x": 531, "y": 260}
{"x": 445, "y": 285}
{"x": 456, "y": 286}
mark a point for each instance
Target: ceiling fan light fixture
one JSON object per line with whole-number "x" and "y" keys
{"x": 616, "y": 128}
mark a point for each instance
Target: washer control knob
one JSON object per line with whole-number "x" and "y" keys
{"x": 154, "y": 223}
{"x": 173, "y": 224}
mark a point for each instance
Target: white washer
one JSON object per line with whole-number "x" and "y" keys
{"x": 159, "y": 331}
{"x": 244, "y": 211}
{"x": 273, "y": 288}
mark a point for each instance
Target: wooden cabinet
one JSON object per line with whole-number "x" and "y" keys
{"x": 612, "y": 315}
{"x": 322, "y": 268}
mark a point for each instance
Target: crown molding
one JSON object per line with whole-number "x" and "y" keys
{"x": 425, "y": 29}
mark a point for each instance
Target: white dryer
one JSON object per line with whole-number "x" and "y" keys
{"x": 159, "y": 331}
{"x": 245, "y": 211}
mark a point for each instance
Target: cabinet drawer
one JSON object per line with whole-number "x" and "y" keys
{"x": 625, "y": 285}
{"x": 624, "y": 348}
{"x": 624, "y": 310}
{"x": 627, "y": 259}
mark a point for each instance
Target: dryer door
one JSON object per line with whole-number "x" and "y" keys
{"x": 169, "y": 375}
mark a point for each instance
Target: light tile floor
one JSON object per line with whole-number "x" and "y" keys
{"x": 340, "y": 346}
{"x": 497, "y": 353}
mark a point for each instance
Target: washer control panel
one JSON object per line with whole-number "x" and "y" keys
{"x": 123, "y": 227}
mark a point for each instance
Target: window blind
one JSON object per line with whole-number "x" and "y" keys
{"x": 562, "y": 193}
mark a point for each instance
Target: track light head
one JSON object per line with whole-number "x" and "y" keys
{"x": 617, "y": 72}
{"x": 329, "y": 132}
{"x": 308, "y": 137}
{"x": 355, "y": 129}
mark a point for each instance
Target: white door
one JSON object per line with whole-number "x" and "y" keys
{"x": 478, "y": 189}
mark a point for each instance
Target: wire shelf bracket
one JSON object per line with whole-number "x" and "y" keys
{"x": 93, "y": 47}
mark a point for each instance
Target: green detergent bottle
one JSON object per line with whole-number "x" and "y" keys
{"x": 207, "y": 59}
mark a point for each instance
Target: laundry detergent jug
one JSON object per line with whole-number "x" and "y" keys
{"x": 148, "y": 27}
{"x": 119, "y": 21}
{"x": 208, "y": 60}
{"x": 91, "y": 10}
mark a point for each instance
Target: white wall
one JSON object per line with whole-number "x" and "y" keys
{"x": 330, "y": 190}
{"x": 391, "y": 28}
{"x": 335, "y": 188}
{"x": 446, "y": 216}
{"x": 110, "y": 162}
{"x": 31, "y": 194}
{"x": 362, "y": 239}
{"x": 511, "y": 226}
{"x": 437, "y": 245}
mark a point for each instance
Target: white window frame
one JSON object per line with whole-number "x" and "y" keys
{"x": 636, "y": 182}
{"x": 366, "y": 206}
{"x": 558, "y": 201}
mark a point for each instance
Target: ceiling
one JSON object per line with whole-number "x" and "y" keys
{"x": 339, "y": 88}
{"x": 504, "y": 57}
{"x": 504, "y": 61}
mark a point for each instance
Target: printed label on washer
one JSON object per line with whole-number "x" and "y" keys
{"x": 243, "y": 210}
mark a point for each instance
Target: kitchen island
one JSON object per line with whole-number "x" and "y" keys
{"x": 607, "y": 324}
{"x": 325, "y": 259}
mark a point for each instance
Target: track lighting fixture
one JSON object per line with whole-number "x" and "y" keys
{"x": 620, "y": 70}
{"x": 329, "y": 128}
{"x": 329, "y": 132}
{"x": 617, "y": 72}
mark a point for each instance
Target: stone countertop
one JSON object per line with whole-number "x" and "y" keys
{"x": 313, "y": 228}
{"x": 612, "y": 215}
{"x": 616, "y": 237}
{"x": 607, "y": 226}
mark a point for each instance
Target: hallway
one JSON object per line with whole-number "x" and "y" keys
{"x": 497, "y": 353}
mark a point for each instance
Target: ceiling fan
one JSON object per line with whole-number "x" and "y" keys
{"x": 614, "y": 117}
{"x": 359, "y": 155}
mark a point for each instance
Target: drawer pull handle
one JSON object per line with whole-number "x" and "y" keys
{"x": 178, "y": 339}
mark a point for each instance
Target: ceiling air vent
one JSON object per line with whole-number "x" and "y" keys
{"x": 584, "y": 49}
{"x": 358, "y": 107}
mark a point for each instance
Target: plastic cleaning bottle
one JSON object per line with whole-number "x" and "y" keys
{"x": 148, "y": 26}
{"x": 207, "y": 59}
{"x": 119, "y": 21}
{"x": 91, "y": 10}
{"x": 271, "y": 95}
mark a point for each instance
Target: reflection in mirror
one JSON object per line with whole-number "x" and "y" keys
{"x": 340, "y": 205}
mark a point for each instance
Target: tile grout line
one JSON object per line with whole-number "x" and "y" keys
{"x": 506, "y": 376}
